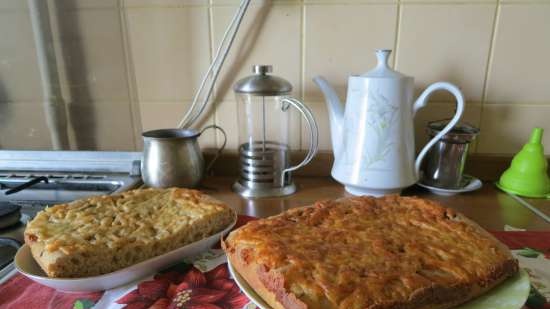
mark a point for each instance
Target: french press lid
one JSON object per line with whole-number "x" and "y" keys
{"x": 261, "y": 83}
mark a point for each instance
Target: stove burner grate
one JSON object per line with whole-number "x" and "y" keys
{"x": 9, "y": 214}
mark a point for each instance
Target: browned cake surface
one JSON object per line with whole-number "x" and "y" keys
{"x": 102, "y": 234}
{"x": 364, "y": 252}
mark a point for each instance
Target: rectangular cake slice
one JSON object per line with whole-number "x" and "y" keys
{"x": 102, "y": 234}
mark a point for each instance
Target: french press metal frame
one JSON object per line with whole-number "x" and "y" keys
{"x": 252, "y": 183}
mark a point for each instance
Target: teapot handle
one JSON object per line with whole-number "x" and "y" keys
{"x": 422, "y": 101}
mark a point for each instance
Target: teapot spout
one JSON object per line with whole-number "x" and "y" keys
{"x": 335, "y": 112}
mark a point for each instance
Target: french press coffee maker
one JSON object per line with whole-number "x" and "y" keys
{"x": 263, "y": 109}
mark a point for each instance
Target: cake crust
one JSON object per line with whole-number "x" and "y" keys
{"x": 368, "y": 253}
{"x": 102, "y": 234}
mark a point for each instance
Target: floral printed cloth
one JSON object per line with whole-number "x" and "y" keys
{"x": 203, "y": 282}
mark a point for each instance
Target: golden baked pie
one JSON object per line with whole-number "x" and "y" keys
{"x": 365, "y": 252}
{"x": 102, "y": 234}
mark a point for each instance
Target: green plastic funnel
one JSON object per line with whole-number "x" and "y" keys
{"x": 527, "y": 175}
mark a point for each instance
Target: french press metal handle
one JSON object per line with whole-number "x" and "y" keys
{"x": 313, "y": 133}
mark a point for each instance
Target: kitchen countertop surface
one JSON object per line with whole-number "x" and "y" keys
{"x": 489, "y": 207}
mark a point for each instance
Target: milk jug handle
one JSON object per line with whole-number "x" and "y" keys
{"x": 422, "y": 101}
{"x": 219, "y": 151}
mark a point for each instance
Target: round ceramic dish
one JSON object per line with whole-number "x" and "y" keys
{"x": 25, "y": 263}
{"x": 511, "y": 294}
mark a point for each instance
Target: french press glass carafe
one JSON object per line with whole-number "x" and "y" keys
{"x": 263, "y": 104}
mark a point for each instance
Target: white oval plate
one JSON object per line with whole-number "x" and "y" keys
{"x": 26, "y": 265}
{"x": 511, "y": 294}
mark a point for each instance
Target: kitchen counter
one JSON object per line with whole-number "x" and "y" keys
{"x": 489, "y": 207}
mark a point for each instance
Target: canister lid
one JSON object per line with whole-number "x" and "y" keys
{"x": 261, "y": 83}
{"x": 460, "y": 133}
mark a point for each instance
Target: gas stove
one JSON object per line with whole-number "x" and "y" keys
{"x": 61, "y": 188}
{"x": 55, "y": 177}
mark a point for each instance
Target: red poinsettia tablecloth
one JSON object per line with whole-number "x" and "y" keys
{"x": 201, "y": 283}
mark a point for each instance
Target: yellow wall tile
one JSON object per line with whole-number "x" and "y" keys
{"x": 93, "y": 64}
{"x": 85, "y": 4}
{"x": 170, "y": 48}
{"x": 449, "y": 1}
{"x": 432, "y": 112}
{"x": 165, "y": 115}
{"x": 19, "y": 74}
{"x": 23, "y": 126}
{"x": 320, "y": 112}
{"x": 161, "y": 115}
{"x": 350, "y": 2}
{"x": 295, "y": 129}
{"x": 254, "y": 2}
{"x": 7, "y": 5}
{"x": 226, "y": 117}
{"x": 506, "y": 127}
{"x": 521, "y": 61}
{"x": 340, "y": 40}
{"x": 171, "y": 44}
{"x": 163, "y": 3}
{"x": 438, "y": 111}
{"x": 269, "y": 34}
{"x": 102, "y": 126}
{"x": 446, "y": 42}
{"x": 524, "y": 1}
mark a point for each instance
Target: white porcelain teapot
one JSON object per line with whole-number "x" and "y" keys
{"x": 373, "y": 139}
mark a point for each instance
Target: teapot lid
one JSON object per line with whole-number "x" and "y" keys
{"x": 382, "y": 68}
{"x": 262, "y": 83}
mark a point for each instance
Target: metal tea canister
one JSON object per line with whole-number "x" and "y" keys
{"x": 443, "y": 167}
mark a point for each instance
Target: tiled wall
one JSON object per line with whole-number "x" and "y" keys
{"x": 140, "y": 61}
